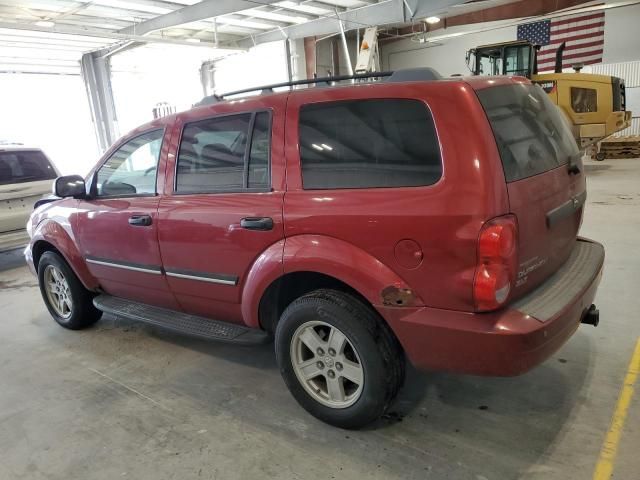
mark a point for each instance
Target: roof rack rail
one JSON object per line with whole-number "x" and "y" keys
{"x": 414, "y": 75}
{"x": 403, "y": 75}
{"x": 269, "y": 88}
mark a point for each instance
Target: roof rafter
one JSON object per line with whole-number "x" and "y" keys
{"x": 192, "y": 13}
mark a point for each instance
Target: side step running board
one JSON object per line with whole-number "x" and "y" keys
{"x": 181, "y": 322}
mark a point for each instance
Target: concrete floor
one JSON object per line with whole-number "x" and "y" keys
{"x": 122, "y": 400}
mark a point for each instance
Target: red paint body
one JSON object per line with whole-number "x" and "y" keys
{"x": 422, "y": 239}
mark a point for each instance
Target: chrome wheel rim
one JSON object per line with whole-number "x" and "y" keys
{"x": 326, "y": 364}
{"x": 58, "y": 292}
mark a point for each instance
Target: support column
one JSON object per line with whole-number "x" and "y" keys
{"x": 208, "y": 77}
{"x": 289, "y": 59}
{"x": 311, "y": 66}
{"x": 298, "y": 59}
{"x": 345, "y": 46}
{"x": 96, "y": 74}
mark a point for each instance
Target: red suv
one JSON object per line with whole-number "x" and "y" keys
{"x": 355, "y": 224}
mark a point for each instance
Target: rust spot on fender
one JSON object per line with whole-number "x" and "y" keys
{"x": 397, "y": 297}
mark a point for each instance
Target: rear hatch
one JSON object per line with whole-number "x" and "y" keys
{"x": 544, "y": 175}
{"x": 25, "y": 176}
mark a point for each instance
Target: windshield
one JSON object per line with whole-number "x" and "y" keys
{"x": 24, "y": 166}
{"x": 531, "y": 132}
{"x": 489, "y": 64}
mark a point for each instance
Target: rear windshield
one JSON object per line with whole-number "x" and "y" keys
{"x": 24, "y": 166}
{"x": 532, "y": 135}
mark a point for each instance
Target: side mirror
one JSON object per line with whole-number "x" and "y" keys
{"x": 69, "y": 186}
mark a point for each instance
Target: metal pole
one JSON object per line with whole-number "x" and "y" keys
{"x": 215, "y": 33}
{"x": 287, "y": 53}
{"x": 345, "y": 47}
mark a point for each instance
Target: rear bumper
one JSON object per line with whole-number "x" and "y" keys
{"x": 510, "y": 341}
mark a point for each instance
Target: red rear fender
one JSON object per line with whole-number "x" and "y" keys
{"x": 265, "y": 270}
{"x": 328, "y": 256}
{"x": 351, "y": 265}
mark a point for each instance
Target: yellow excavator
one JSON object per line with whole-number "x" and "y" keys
{"x": 593, "y": 104}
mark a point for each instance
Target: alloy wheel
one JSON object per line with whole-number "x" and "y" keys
{"x": 327, "y": 364}
{"x": 58, "y": 292}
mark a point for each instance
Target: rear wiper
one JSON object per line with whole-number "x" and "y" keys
{"x": 574, "y": 164}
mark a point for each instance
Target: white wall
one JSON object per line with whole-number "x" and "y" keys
{"x": 621, "y": 43}
{"x": 145, "y": 76}
{"x": 50, "y": 112}
{"x": 261, "y": 65}
{"x": 447, "y": 56}
{"x": 630, "y": 72}
{"x": 621, "y": 39}
{"x": 324, "y": 51}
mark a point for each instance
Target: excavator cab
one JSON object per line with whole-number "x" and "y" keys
{"x": 593, "y": 104}
{"x": 509, "y": 58}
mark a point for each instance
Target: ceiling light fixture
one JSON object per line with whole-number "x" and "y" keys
{"x": 432, "y": 20}
{"x": 193, "y": 40}
{"x": 45, "y": 23}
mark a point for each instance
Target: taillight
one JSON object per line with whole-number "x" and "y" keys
{"x": 497, "y": 263}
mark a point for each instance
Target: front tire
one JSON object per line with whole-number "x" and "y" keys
{"x": 338, "y": 358}
{"x": 68, "y": 302}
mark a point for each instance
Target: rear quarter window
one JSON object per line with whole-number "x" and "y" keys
{"x": 584, "y": 100}
{"x": 532, "y": 135}
{"x": 368, "y": 144}
{"x": 24, "y": 166}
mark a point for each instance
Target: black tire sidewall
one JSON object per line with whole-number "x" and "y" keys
{"x": 373, "y": 399}
{"x": 83, "y": 312}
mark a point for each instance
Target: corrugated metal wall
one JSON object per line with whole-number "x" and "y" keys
{"x": 630, "y": 72}
{"x": 634, "y": 129}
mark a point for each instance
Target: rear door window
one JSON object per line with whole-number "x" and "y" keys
{"x": 24, "y": 166}
{"x": 532, "y": 135}
{"x": 225, "y": 154}
{"x": 368, "y": 144}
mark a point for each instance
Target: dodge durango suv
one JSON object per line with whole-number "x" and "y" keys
{"x": 359, "y": 226}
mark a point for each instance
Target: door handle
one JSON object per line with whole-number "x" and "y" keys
{"x": 140, "y": 220}
{"x": 257, "y": 223}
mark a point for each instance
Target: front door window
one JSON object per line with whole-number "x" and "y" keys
{"x": 131, "y": 170}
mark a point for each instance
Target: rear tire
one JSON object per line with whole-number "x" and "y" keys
{"x": 338, "y": 358}
{"x": 68, "y": 302}
{"x": 600, "y": 156}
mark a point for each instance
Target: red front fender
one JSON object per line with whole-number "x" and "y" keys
{"x": 55, "y": 234}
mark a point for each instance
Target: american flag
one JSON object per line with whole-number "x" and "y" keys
{"x": 583, "y": 32}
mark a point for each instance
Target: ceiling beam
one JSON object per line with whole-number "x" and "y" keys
{"x": 382, "y": 13}
{"x": 388, "y": 11}
{"x": 192, "y": 13}
{"x": 43, "y": 46}
{"x": 114, "y": 36}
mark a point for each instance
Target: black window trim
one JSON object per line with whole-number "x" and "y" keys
{"x": 413, "y": 187}
{"x": 247, "y": 153}
{"x": 94, "y": 181}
